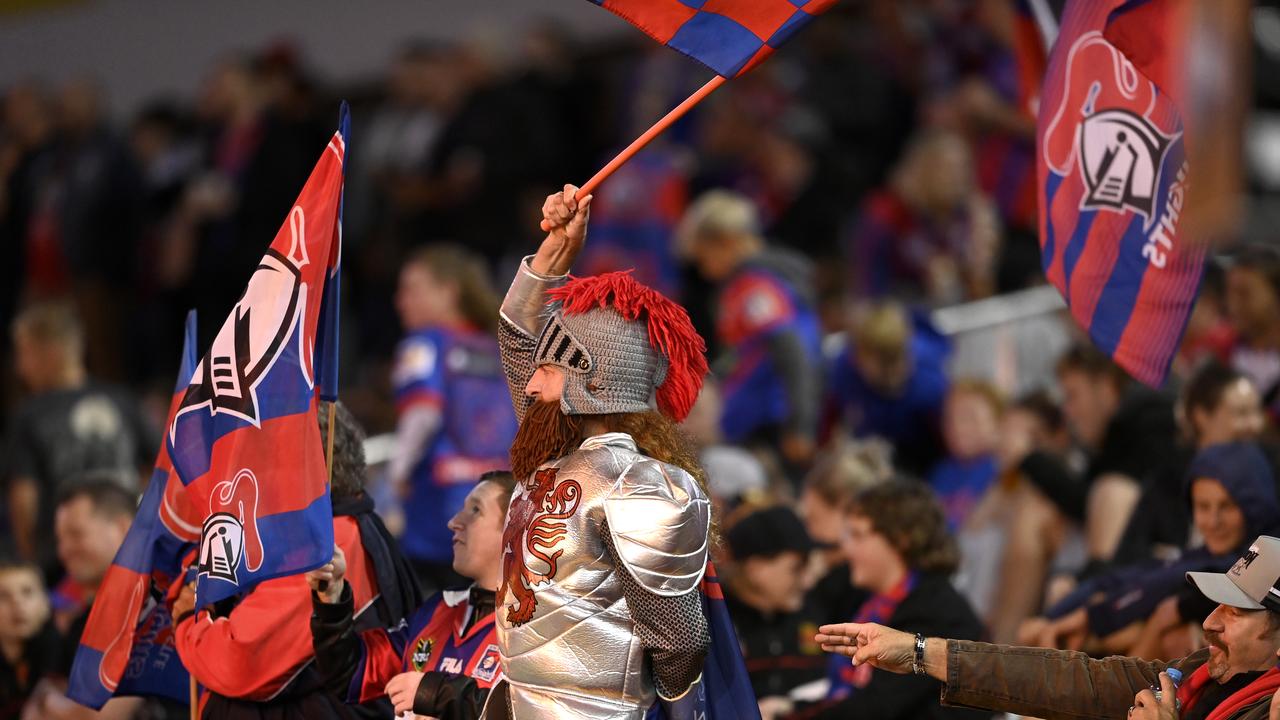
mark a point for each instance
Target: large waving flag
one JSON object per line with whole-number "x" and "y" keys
{"x": 728, "y": 36}
{"x": 127, "y": 646}
{"x": 245, "y": 440}
{"x": 1113, "y": 181}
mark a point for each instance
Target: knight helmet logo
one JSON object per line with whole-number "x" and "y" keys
{"x": 255, "y": 335}
{"x": 1245, "y": 561}
{"x": 221, "y": 547}
{"x": 1120, "y": 158}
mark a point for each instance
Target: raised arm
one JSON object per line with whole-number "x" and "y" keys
{"x": 523, "y": 312}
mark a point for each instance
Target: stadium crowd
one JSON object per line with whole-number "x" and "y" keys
{"x": 810, "y": 216}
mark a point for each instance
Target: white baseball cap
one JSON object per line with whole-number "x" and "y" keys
{"x": 1250, "y": 584}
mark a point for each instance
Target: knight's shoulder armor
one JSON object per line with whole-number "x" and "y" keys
{"x": 660, "y": 521}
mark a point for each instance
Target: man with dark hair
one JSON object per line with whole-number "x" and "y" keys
{"x": 253, "y": 655}
{"x": 1125, "y": 428}
{"x": 599, "y": 611}
{"x": 68, "y": 426}
{"x": 1235, "y": 678}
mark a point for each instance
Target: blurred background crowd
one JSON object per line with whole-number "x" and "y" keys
{"x": 902, "y": 425}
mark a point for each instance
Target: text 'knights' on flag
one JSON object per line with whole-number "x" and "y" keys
{"x": 128, "y": 647}
{"x": 245, "y": 440}
{"x": 1113, "y": 180}
{"x": 728, "y": 36}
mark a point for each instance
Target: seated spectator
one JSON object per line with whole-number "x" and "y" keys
{"x": 255, "y": 658}
{"x": 899, "y": 550}
{"x": 838, "y": 475}
{"x": 1234, "y": 678}
{"x": 29, "y": 644}
{"x": 1125, "y": 428}
{"x": 1253, "y": 307}
{"x": 890, "y": 381}
{"x": 930, "y": 234}
{"x": 766, "y": 318}
{"x": 442, "y": 661}
{"x": 970, "y": 428}
{"x": 69, "y": 426}
{"x": 91, "y": 519}
{"x": 764, "y": 591}
{"x": 1218, "y": 405}
{"x": 1022, "y": 528}
{"x": 1232, "y": 497}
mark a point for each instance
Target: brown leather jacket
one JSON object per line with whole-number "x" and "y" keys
{"x": 1057, "y": 684}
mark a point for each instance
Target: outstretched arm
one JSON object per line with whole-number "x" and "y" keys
{"x": 523, "y": 312}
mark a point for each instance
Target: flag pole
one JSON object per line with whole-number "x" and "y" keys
{"x": 195, "y": 710}
{"x": 638, "y": 144}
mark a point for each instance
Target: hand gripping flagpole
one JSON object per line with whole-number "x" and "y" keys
{"x": 639, "y": 143}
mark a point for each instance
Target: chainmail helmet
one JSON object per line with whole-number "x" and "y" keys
{"x": 623, "y": 348}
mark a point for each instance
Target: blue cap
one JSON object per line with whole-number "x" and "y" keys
{"x": 1174, "y": 674}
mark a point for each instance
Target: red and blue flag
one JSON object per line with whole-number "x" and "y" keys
{"x": 1113, "y": 181}
{"x": 245, "y": 440}
{"x": 127, "y": 647}
{"x": 728, "y": 36}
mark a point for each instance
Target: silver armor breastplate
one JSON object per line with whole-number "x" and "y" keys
{"x": 568, "y": 641}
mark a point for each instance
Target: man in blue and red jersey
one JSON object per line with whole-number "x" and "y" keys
{"x": 767, "y": 324}
{"x": 454, "y": 418}
{"x": 442, "y": 660}
{"x": 253, "y": 655}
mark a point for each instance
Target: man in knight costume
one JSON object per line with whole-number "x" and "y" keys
{"x": 599, "y": 611}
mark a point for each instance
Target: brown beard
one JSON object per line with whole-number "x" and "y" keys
{"x": 545, "y": 434}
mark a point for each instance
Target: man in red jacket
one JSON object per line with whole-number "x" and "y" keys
{"x": 255, "y": 658}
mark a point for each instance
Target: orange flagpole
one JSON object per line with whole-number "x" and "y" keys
{"x": 638, "y": 144}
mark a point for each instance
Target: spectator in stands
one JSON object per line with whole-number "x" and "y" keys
{"x": 930, "y": 234}
{"x": 898, "y": 548}
{"x": 765, "y": 596}
{"x": 1218, "y": 405}
{"x": 1253, "y": 306}
{"x": 69, "y": 425}
{"x": 1209, "y": 336}
{"x": 1232, "y": 679}
{"x": 1232, "y": 497}
{"x": 766, "y": 320}
{"x": 29, "y": 644}
{"x": 91, "y": 521}
{"x": 454, "y": 419}
{"x": 971, "y": 429}
{"x": 735, "y": 475}
{"x": 839, "y": 473}
{"x": 1125, "y": 428}
{"x": 253, "y": 655}
{"x": 443, "y": 659}
{"x": 890, "y": 381}
{"x": 1018, "y": 532}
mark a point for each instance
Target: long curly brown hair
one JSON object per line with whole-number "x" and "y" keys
{"x": 907, "y": 514}
{"x": 546, "y": 433}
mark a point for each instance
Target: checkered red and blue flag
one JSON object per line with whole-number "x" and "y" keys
{"x": 245, "y": 440}
{"x": 127, "y": 647}
{"x": 1113, "y": 181}
{"x": 728, "y": 36}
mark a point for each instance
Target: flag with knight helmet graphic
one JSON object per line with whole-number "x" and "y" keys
{"x": 245, "y": 440}
{"x": 1113, "y": 179}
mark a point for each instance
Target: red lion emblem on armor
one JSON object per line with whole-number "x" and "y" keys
{"x": 535, "y": 525}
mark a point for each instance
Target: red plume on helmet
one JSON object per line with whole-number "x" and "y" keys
{"x": 671, "y": 334}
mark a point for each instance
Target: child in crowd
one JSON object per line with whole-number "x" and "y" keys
{"x": 971, "y": 431}
{"x": 29, "y": 644}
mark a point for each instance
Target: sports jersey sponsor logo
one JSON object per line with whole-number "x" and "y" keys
{"x": 451, "y": 665}
{"x": 489, "y": 665}
{"x": 421, "y": 654}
